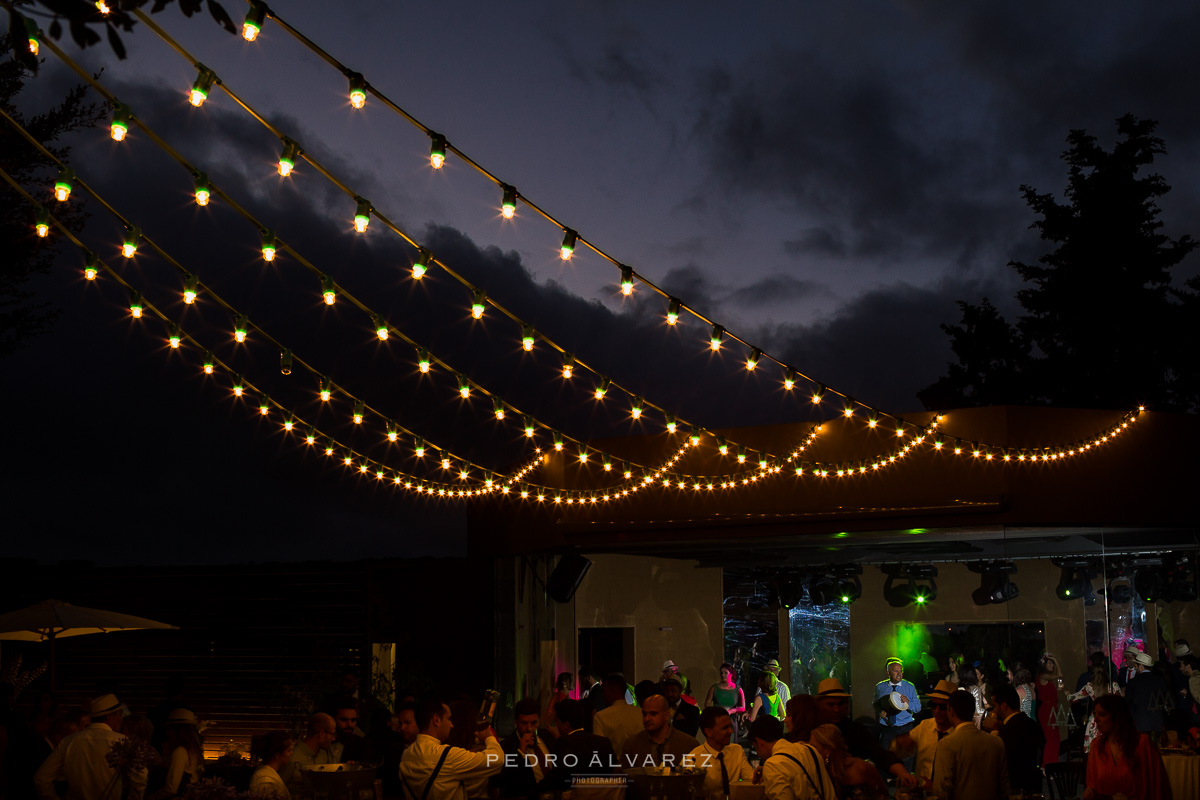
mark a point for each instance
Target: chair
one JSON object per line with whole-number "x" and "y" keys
{"x": 1066, "y": 779}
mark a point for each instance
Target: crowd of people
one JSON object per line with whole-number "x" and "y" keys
{"x": 976, "y": 733}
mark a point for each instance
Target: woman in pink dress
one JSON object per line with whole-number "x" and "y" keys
{"x": 1049, "y": 676}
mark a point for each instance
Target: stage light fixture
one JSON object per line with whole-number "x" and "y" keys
{"x": 995, "y": 586}
{"x": 897, "y": 596}
{"x": 822, "y": 589}
{"x": 789, "y": 591}
{"x": 1181, "y": 578}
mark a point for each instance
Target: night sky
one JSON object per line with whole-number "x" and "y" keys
{"x": 825, "y": 181}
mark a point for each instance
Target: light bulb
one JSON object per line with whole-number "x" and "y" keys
{"x": 202, "y": 86}
{"x": 636, "y": 410}
{"x": 254, "y": 21}
{"x": 671, "y": 424}
{"x": 190, "y": 285}
{"x": 240, "y": 325}
{"x": 268, "y": 244}
{"x": 421, "y": 265}
{"x": 752, "y": 361}
{"x": 135, "y": 305}
{"x": 741, "y": 456}
{"x": 264, "y": 405}
{"x": 789, "y": 378}
{"x": 175, "y": 339}
{"x": 288, "y": 425}
{"x": 872, "y": 422}
{"x": 673, "y": 311}
{"x": 437, "y": 150}
{"x": 570, "y": 238}
{"x": 818, "y": 393}
{"x": 91, "y": 266}
{"x": 419, "y": 446}
{"x": 31, "y": 31}
{"x": 722, "y": 446}
{"x": 41, "y": 223}
{"x": 238, "y": 386}
{"x": 422, "y": 359}
{"x": 203, "y": 192}
{"x": 602, "y": 388}
{"x": 102, "y": 7}
{"x": 287, "y": 159}
{"x": 362, "y": 215}
{"x": 445, "y": 463}
{"x": 133, "y": 236}
{"x": 695, "y": 436}
{"x": 358, "y": 90}
{"x": 208, "y": 362}
{"x": 568, "y": 368}
{"x": 498, "y": 407}
{"x": 328, "y": 291}
{"x": 477, "y": 304}
{"x": 607, "y": 465}
{"x": 359, "y": 409}
{"x": 120, "y": 122}
{"x": 285, "y": 361}
{"x": 848, "y": 412}
{"x": 527, "y": 338}
{"x": 464, "y": 388}
{"x": 558, "y": 441}
{"x": 583, "y": 455}
{"x": 508, "y": 205}
{"x": 718, "y": 333}
{"x": 626, "y": 281}
{"x": 381, "y": 328}
{"x": 62, "y": 184}
{"x": 529, "y": 429}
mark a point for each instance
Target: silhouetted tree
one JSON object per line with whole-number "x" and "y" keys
{"x": 1103, "y": 324}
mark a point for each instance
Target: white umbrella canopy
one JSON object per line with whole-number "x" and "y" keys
{"x": 54, "y": 619}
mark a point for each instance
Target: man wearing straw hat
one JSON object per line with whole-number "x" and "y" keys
{"x": 79, "y": 759}
{"x": 781, "y": 687}
{"x": 833, "y": 704}
{"x": 922, "y": 739}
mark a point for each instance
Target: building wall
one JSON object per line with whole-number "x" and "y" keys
{"x": 674, "y": 608}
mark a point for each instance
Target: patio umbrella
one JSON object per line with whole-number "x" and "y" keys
{"x": 54, "y": 619}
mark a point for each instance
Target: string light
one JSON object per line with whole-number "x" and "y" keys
{"x": 239, "y": 386}
{"x": 381, "y": 328}
{"x": 437, "y": 150}
{"x": 31, "y": 31}
{"x": 190, "y": 284}
{"x": 240, "y": 324}
{"x": 498, "y": 407}
{"x": 673, "y": 306}
{"x": 287, "y": 159}
{"x": 817, "y": 394}
{"x": 741, "y": 456}
{"x": 62, "y": 184}
{"x": 120, "y": 122}
{"x": 636, "y": 410}
{"x": 558, "y": 441}
{"x": 464, "y": 387}
{"x": 359, "y": 410}
{"x": 326, "y": 388}
{"x": 422, "y": 264}
{"x": 329, "y": 448}
{"x": 789, "y": 378}
{"x": 174, "y": 339}
{"x": 102, "y": 7}
{"x": 672, "y": 426}
{"x": 203, "y": 190}
{"x": 695, "y": 436}
{"x": 752, "y": 361}
{"x": 422, "y": 359}
{"x": 570, "y": 237}
{"x": 626, "y": 280}
{"x": 133, "y": 236}
{"x": 202, "y": 86}
{"x": 568, "y": 367}
{"x": 254, "y": 21}
{"x": 508, "y": 205}
{"x": 722, "y": 446}
{"x": 718, "y": 333}
{"x": 362, "y": 215}
{"x": 268, "y": 244}
{"x": 289, "y": 424}
{"x": 527, "y": 338}
{"x": 529, "y": 429}
{"x": 419, "y": 446}
{"x": 445, "y": 462}
{"x": 583, "y": 454}
{"x": 90, "y": 267}
{"x": 285, "y": 361}
{"x": 208, "y": 362}
{"x": 477, "y": 304}
{"x": 848, "y": 411}
{"x": 41, "y": 223}
{"x": 327, "y": 290}
{"x": 135, "y": 305}
{"x": 264, "y": 405}
{"x": 358, "y": 90}
{"x": 602, "y": 388}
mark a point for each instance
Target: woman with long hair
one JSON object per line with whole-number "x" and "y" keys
{"x": 184, "y": 751}
{"x": 1098, "y": 686}
{"x": 1049, "y": 684}
{"x": 727, "y": 695}
{"x": 767, "y": 697}
{"x": 1121, "y": 760}
{"x": 968, "y": 681}
{"x": 275, "y": 750}
{"x": 853, "y": 778}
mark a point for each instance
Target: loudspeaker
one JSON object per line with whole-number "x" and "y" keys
{"x": 566, "y": 577}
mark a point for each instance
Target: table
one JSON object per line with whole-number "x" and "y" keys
{"x": 1183, "y": 773}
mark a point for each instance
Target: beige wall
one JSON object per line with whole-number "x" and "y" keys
{"x": 873, "y": 622}
{"x": 674, "y": 608}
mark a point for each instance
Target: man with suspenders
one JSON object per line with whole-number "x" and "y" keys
{"x": 431, "y": 770}
{"x": 790, "y": 770}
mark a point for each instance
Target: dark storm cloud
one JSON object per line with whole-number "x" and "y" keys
{"x": 823, "y": 240}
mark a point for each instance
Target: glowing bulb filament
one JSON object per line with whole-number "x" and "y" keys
{"x": 508, "y": 205}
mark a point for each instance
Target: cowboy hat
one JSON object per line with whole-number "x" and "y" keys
{"x": 181, "y": 716}
{"x": 831, "y": 687}
{"x": 1144, "y": 659}
{"x": 1183, "y": 650}
{"x": 943, "y": 690}
{"x": 773, "y": 666}
{"x": 107, "y": 704}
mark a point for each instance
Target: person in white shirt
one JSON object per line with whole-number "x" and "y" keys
{"x": 969, "y": 764}
{"x": 431, "y": 770}
{"x": 79, "y": 759}
{"x": 726, "y": 763}
{"x": 790, "y": 771}
{"x": 275, "y": 750}
{"x": 620, "y": 721}
{"x": 924, "y": 736}
{"x": 185, "y": 752}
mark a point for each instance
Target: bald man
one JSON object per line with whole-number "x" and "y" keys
{"x": 317, "y": 747}
{"x": 659, "y": 744}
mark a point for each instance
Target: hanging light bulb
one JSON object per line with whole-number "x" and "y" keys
{"x": 289, "y": 424}
{"x": 190, "y": 284}
{"x": 362, "y": 215}
{"x": 718, "y": 333}
{"x": 135, "y": 305}
{"x": 326, "y": 388}
{"x": 422, "y": 264}
{"x": 445, "y": 461}
{"x": 570, "y": 238}
{"x": 202, "y": 86}
{"x": 848, "y": 411}
{"x": 329, "y": 448}
{"x": 359, "y": 409}
{"x": 695, "y": 436}
{"x": 568, "y": 367}
{"x": 583, "y": 454}
{"x": 328, "y": 291}
{"x": 381, "y": 328}
{"x": 41, "y": 224}
{"x": 607, "y": 464}
{"x": 626, "y": 281}
{"x": 62, "y": 184}
{"x": 437, "y": 150}
{"x": 174, "y": 338}
{"x": 240, "y": 324}
{"x": 477, "y": 304}
{"x": 817, "y": 394}
{"x": 358, "y": 90}
{"x": 120, "y": 122}
{"x": 133, "y": 235}
{"x": 558, "y": 441}
{"x": 268, "y": 244}
{"x": 422, "y": 359}
{"x": 239, "y": 386}
{"x": 254, "y": 21}
{"x": 529, "y": 428}
{"x": 31, "y": 31}
{"x": 789, "y": 378}
{"x": 602, "y": 388}
{"x": 741, "y": 456}
{"x": 310, "y": 435}
{"x": 202, "y": 191}
{"x": 91, "y": 266}
{"x": 264, "y": 405}
{"x": 636, "y": 410}
{"x": 752, "y": 361}
{"x": 722, "y": 446}
{"x": 508, "y": 205}
{"x": 419, "y": 446}
{"x": 285, "y": 361}
{"x": 464, "y": 471}
{"x": 102, "y": 7}
{"x": 498, "y": 407}
{"x": 672, "y": 426}
{"x": 464, "y": 388}
{"x": 527, "y": 338}
{"x": 287, "y": 159}
{"x": 673, "y": 306}
{"x": 208, "y": 362}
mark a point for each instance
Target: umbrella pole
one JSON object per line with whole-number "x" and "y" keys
{"x": 52, "y": 662}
